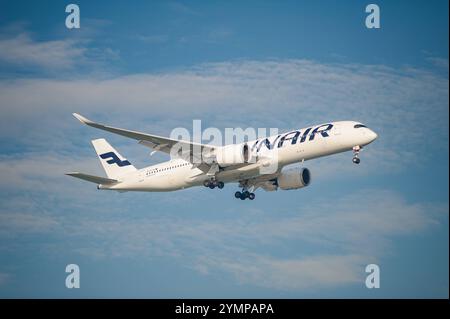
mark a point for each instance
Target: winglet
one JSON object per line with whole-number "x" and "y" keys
{"x": 82, "y": 119}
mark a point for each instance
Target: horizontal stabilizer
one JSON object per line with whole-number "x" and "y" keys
{"x": 93, "y": 178}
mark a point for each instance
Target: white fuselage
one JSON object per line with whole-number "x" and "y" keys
{"x": 291, "y": 147}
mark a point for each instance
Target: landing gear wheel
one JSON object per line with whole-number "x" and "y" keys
{"x": 251, "y": 196}
{"x": 246, "y": 194}
{"x": 238, "y": 194}
{"x": 243, "y": 197}
{"x": 213, "y": 184}
{"x": 356, "y": 150}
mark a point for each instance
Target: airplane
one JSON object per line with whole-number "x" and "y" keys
{"x": 195, "y": 164}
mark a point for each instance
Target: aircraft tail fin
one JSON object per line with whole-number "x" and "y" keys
{"x": 114, "y": 164}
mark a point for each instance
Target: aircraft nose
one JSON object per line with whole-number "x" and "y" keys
{"x": 372, "y": 135}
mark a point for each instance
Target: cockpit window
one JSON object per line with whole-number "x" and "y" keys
{"x": 359, "y": 125}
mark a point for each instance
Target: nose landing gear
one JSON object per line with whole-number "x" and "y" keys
{"x": 356, "y": 150}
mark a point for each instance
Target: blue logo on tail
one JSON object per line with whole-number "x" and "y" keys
{"x": 114, "y": 159}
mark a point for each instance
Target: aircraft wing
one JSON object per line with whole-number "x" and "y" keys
{"x": 184, "y": 149}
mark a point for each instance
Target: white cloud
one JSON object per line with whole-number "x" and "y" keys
{"x": 311, "y": 272}
{"x": 355, "y": 228}
{"x": 20, "y": 173}
{"x": 406, "y": 107}
{"x": 302, "y": 88}
{"x": 21, "y": 50}
{"x": 17, "y": 223}
{"x": 343, "y": 236}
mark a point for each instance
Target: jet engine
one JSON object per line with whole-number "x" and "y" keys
{"x": 293, "y": 179}
{"x": 233, "y": 154}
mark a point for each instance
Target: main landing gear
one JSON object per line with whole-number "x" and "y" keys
{"x": 247, "y": 191}
{"x": 213, "y": 184}
{"x": 356, "y": 150}
{"x": 244, "y": 194}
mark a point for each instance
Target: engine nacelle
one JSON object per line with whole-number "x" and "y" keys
{"x": 233, "y": 154}
{"x": 294, "y": 179}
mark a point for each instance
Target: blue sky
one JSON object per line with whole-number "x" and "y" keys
{"x": 154, "y": 66}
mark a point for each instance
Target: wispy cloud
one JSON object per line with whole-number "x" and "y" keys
{"x": 182, "y": 8}
{"x": 439, "y": 62}
{"x": 257, "y": 248}
{"x": 253, "y": 248}
{"x": 285, "y": 94}
{"x": 21, "y": 50}
{"x": 153, "y": 38}
{"x": 17, "y": 223}
{"x": 306, "y": 273}
{"x": 355, "y": 236}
